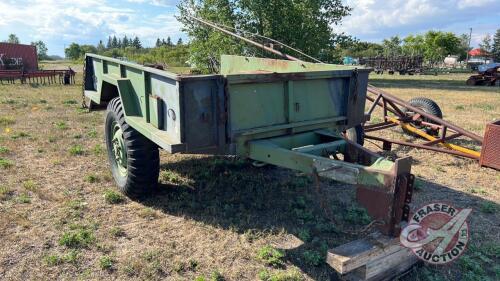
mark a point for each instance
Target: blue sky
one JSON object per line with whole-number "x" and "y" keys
{"x": 59, "y": 23}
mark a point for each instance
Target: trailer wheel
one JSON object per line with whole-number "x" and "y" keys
{"x": 134, "y": 159}
{"x": 428, "y": 106}
{"x": 356, "y": 134}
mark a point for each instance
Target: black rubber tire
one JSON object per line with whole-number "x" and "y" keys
{"x": 143, "y": 159}
{"x": 428, "y": 106}
{"x": 356, "y": 134}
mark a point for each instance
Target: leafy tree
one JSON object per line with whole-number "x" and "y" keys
{"x": 84, "y": 49}
{"x": 41, "y": 49}
{"x": 495, "y": 49}
{"x": 13, "y": 39}
{"x": 464, "y": 46}
{"x": 485, "y": 45}
{"x": 73, "y": 52}
{"x": 305, "y": 25}
{"x": 414, "y": 45}
{"x": 358, "y": 49}
{"x": 440, "y": 44}
{"x": 76, "y": 51}
{"x": 179, "y": 42}
{"x": 392, "y": 46}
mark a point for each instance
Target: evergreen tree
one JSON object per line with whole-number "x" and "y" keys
{"x": 495, "y": 49}
{"x": 100, "y": 47}
{"x": 179, "y": 42}
{"x": 120, "y": 45}
{"x": 110, "y": 43}
{"x": 137, "y": 43}
{"x": 158, "y": 43}
{"x": 169, "y": 42}
{"x": 114, "y": 43}
{"x": 163, "y": 42}
{"x": 125, "y": 42}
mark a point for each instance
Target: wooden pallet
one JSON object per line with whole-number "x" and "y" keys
{"x": 376, "y": 257}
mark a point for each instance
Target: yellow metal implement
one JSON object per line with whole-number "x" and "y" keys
{"x": 423, "y": 134}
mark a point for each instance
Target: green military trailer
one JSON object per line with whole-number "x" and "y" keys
{"x": 297, "y": 115}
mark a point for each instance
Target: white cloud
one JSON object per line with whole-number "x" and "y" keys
{"x": 463, "y": 4}
{"x": 61, "y": 22}
{"x": 160, "y": 3}
{"x": 376, "y": 19}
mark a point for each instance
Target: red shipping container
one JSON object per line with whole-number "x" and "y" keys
{"x": 18, "y": 56}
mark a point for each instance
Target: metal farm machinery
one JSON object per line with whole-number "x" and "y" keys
{"x": 287, "y": 113}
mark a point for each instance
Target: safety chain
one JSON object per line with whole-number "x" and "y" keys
{"x": 84, "y": 105}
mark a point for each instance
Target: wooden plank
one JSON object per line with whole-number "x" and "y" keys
{"x": 376, "y": 257}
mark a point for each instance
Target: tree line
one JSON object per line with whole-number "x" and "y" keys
{"x": 164, "y": 51}
{"x": 41, "y": 48}
{"x": 305, "y": 25}
{"x": 433, "y": 46}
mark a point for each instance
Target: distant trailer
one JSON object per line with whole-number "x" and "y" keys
{"x": 18, "y": 57}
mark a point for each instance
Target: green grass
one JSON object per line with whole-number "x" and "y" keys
{"x": 92, "y": 133}
{"x": 61, "y": 125}
{"x": 24, "y": 198}
{"x": 478, "y": 190}
{"x": 106, "y": 263}
{"x": 5, "y": 163}
{"x": 4, "y": 150}
{"x": 113, "y": 197}
{"x": 53, "y": 260}
{"x": 271, "y": 256}
{"x": 76, "y": 150}
{"x": 30, "y": 185}
{"x": 313, "y": 258}
{"x": 357, "y": 215}
{"x": 70, "y": 102}
{"x": 81, "y": 237}
{"x": 92, "y": 178}
{"x": 304, "y": 234}
{"x": 117, "y": 231}
{"x": 488, "y": 207}
{"x": 288, "y": 275}
{"x": 5, "y": 192}
{"x": 171, "y": 177}
{"x": 6, "y": 121}
{"x": 20, "y": 135}
{"x": 216, "y": 276}
{"x": 97, "y": 150}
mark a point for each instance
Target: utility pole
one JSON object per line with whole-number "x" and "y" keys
{"x": 468, "y": 47}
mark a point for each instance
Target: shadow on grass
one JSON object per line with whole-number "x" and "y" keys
{"x": 232, "y": 194}
{"x": 436, "y": 84}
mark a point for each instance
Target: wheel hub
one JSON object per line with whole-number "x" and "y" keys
{"x": 119, "y": 149}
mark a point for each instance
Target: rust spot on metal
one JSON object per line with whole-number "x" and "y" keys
{"x": 490, "y": 153}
